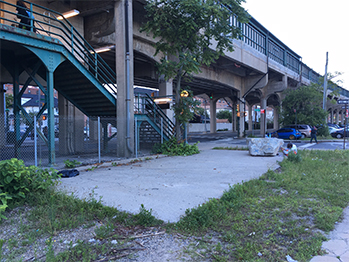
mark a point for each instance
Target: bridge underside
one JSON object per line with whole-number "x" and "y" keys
{"x": 246, "y": 77}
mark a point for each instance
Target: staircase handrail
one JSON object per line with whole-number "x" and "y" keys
{"x": 144, "y": 104}
{"x": 63, "y": 30}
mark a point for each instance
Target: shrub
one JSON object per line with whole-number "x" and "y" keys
{"x": 294, "y": 157}
{"x": 16, "y": 180}
{"x": 71, "y": 163}
{"x": 323, "y": 131}
{"x": 174, "y": 148}
{"x": 146, "y": 218}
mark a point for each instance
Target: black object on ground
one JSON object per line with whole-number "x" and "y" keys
{"x": 69, "y": 173}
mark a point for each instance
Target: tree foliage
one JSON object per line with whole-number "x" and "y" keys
{"x": 191, "y": 34}
{"x": 225, "y": 114}
{"x": 186, "y": 107}
{"x": 9, "y": 100}
{"x": 306, "y": 102}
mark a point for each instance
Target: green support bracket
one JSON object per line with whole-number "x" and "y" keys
{"x": 51, "y": 60}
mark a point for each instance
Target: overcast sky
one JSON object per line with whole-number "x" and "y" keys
{"x": 310, "y": 28}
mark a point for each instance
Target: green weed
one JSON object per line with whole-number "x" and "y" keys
{"x": 173, "y": 147}
{"x": 146, "y": 218}
{"x": 278, "y": 214}
{"x": 71, "y": 163}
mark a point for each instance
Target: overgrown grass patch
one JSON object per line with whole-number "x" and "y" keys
{"x": 284, "y": 212}
{"x": 46, "y": 215}
{"x": 281, "y": 213}
{"x": 172, "y": 147}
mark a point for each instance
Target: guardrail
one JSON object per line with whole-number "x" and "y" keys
{"x": 259, "y": 38}
{"x": 144, "y": 104}
{"x": 45, "y": 21}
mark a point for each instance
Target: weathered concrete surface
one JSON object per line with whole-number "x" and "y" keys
{"x": 170, "y": 185}
{"x": 264, "y": 146}
{"x": 337, "y": 247}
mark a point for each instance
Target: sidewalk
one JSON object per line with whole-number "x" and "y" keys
{"x": 170, "y": 185}
{"x": 337, "y": 246}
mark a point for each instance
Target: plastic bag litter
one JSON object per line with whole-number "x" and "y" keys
{"x": 69, "y": 173}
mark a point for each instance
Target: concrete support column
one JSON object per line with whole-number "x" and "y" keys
{"x": 71, "y": 127}
{"x": 125, "y": 75}
{"x": 241, "y": 119}
{"x": 234, "y": 118}
{"x": 331, "y": 115}
{"x": 337, "y": 116}
{"x": 250, "y": 120}
{"x": 263, "y": 119}
{"x": 276, "y": 118}
{"x": 93, "y": 129}
{"x": 213, "y": 116}
{"x": 166, "y": 89}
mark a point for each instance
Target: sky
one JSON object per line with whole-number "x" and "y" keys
{"x": 310, "y": 28}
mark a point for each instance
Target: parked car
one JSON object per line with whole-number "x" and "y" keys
{"x": 287, "y": 133}
{"x": 304, "y": 129}
{"x": 340, "y": 133}
{"x": 333, "y": 125}
{"x": 332, "y": 129}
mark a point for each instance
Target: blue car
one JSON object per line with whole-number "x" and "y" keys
{"x": 287, "y": 133}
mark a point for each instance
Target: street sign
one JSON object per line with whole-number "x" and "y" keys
{"x": 343, "y": 101}
{"x": 262, "y": 111}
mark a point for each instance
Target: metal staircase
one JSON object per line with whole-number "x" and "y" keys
{"x": 55, "y": 56}
{"x": 147, "y": 110}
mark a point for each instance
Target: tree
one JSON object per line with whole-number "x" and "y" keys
{"x": 9, "y": 100}
{"x": 225, "y": 114}
{"x": 305, "y": 103}
{"x": 191, "y": 34}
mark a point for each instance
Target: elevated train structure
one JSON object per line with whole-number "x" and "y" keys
{"x": 95, "y": 59}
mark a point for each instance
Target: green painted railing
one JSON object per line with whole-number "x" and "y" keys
{"x": 145, "y": 105}
{"x": 45, "y": 23}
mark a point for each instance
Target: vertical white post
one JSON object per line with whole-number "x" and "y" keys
{"x": 99, "y": 138}
{"x": 35, "y": 144}
{"x": 136, "y": 137}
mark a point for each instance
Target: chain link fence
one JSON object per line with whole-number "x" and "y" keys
{"x": 85, "y": 140}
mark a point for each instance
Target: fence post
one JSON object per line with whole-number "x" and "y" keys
{"x": 99, "y": 138}
{"x": 35, "y": 144}
{"x": 136, "y": 137}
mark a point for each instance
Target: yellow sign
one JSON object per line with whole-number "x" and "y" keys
{"x": 184, "y": 93}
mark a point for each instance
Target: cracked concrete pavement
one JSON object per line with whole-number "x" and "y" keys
{"x": 170, "y": 185}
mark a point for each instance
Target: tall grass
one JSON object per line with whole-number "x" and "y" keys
{"x": 284, "y": 212}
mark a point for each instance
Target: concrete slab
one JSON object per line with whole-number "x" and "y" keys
{"x": 337, "y": 247}
{"x": 170, "y": 185}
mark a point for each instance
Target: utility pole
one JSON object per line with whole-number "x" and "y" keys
{"x": 325, "y": 85}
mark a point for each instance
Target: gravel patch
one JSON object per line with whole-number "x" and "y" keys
{"x": 25, "y": 243}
